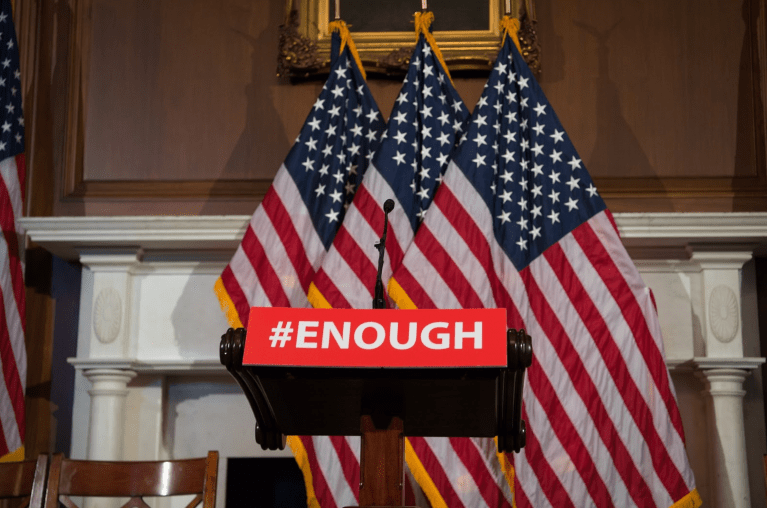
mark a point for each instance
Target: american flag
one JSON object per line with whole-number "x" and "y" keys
{"x": 517, "y": 223}
{"x": 13, "y": 355}
{"x": 293, "y": 227}
{"x": 420, "y": 136}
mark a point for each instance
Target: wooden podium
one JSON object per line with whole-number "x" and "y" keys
{"x": 383, "y": 405}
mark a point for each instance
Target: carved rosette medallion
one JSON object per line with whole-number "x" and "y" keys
{"x": 723, "y": 313}
{"x": 107, "y": 315}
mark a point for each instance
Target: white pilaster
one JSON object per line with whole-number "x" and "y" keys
{"x": 107, "y": 415}
{"x": 727, "y": 443}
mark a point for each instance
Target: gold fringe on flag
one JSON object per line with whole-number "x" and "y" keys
{"x": 226, "y": 304}
{"x": 346, "y": 38}
{"x": 423, "y": 21}
{"x": 302, "y": 459}
{"x": 691, "y": 500}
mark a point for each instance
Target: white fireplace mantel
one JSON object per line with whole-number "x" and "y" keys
{"x": 149, "y": 380}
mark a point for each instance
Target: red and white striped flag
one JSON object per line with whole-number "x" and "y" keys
{"x": 419, "y": 140}
{"x": 517, "y": 223}
{"x": 293, "y": 227}
{"x": 291, "y": 231}
{"x": 13, "y": 355}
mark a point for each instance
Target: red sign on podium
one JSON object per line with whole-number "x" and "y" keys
{"x": 279, "y": 336}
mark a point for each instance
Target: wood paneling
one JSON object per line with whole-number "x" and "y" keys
{"x": 174, "y": 107}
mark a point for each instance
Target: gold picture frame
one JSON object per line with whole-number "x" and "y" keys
{"x": 304, "y": 49}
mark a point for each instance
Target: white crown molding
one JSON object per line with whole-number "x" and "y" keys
{"x": 68, "y": 236}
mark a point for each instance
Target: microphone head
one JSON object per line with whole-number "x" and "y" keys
{"x": 388, "y": 205}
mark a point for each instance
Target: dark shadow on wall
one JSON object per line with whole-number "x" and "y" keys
{"x": 749, "y": 144}
{"x": 617, "y": 151}
{"x": 262, "y": 145}
{"x": 552, "y": 46}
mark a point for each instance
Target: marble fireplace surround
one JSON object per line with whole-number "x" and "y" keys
{"x": 149, "y": 385}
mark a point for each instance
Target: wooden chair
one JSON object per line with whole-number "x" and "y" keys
{"x": 136, "y": 480}
{"x": 24, "y": 481}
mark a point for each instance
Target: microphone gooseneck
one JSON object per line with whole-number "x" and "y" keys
{"x": 378, "y": 298}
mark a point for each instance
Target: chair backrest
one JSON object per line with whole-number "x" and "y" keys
{"x": 24, "y": 480}
{"x": 136, "y": 480}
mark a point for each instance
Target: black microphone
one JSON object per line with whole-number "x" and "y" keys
{"x": 378, "y": 299}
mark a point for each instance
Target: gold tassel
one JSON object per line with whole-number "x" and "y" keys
{"x": 346, "y": 38}
{"x": 422, "y": 23}
{"x": 510, "y": 27}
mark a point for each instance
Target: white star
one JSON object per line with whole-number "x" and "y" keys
{"x": 522, "y": 203}
{"x": 522, "y": 243}
{"x": 354, "y": 149}
{"x": 401, "y": 137}
{"x": 426, "y": 111}
{"x": 481, "y": 120}
{"x": 591, "y": 190}
{"x": 504, "y": 217}
{"x": 334, "y": 111}
{"x": 399, "y": 158}
{"x": 571, "y": 203}
{"x": 537, "y": 169}
{"x": 555, "y": 156}
{"x": 400, "y": 117}
{"x": 538, "y": 129}
{"x": 553, "y": 216}
{"x": 457, "y": 106}
{"x": 357, "y": 130}
{"x": 3, "y": 17}
{"x": 480, "y": 140}
{"x": 320, "y": 190}
{"x": 358, "y": 110}
{"x": 349, "y": 187}
{"x": 557, "y": 136}
{"x": 425, "y": 152}
{"x": 332, "y": 216}
{"x": 554, "y": 196}
{"x": 523, "y": 83}
{"x": 327, "y": 151}
{"x": 423, "y": 193}
{"x": 482, "y": 102}
{"x": 510, "y": 136}
{"x": 537, "y": 190}
{"x": 506, "y": 176}
{"x": 511, "y": 116}
{"x": 522, "y": 223}
{"x": 457, "y": 126}
{"x": 574, "y": 163}
{"x": 506, "y": 196}
{"x": 318, "y": 104}
{"x": 315, "y": 124}
{"x": 443, "y": 118}
{"x": 337, "y": 92}
{"x": 402, "y": 98}
{"x": 535, "y": 232}
{"x": 523, "y": 103}
{"x": 425, "y": 132}
{"x": 573, "y": 183}
{"x": 442, "y": 159}
{"x": 324, "y": 169}
{"x": 371, "y": 135}
{"x": 540, "y": 109}
{"x": 511, "y": 97}
{"x": 479, "y": 160}
{"x": 525, "y": 144}
{"x": 554, "y": 177}
{"x": 523, "y": 125}
{"x": 308, "y": 164}
{"x": 424, "y": 173}
{"x": 538, "y": 149}
{"x": 536, "y": 211}
{"x": 443, "y": 139}
{"x": 331, "y": 130}
{"x": 508, "y": 156}
{"x": 341, "y": 157}
{"x": 341, "y": 72}
{"x": 311, "y": 144}
{"x": 372, "y": 116}
{"x": 336, "y": 196}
